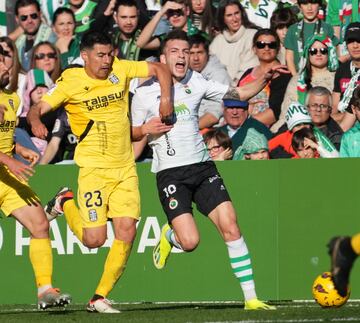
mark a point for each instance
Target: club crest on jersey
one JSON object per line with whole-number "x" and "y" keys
{"x": 173, "y": 204}
{"x": 187, "y": 89}
{"x": 113, "y": 79}
{"x": 11, "y": 103}
{"x": 93, "y": 215}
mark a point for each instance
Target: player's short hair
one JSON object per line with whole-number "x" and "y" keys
{"x": 125, "y": 3}
{"x": 176, "y": 34}
{"x": 91, "y": 37}
{"x": 60, "y": 11}
{"x": 197, "y": 39}
{"x": 355, "y": 99}
{"x": 25, "y": 3}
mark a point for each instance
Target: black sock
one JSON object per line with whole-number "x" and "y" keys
{"x": 96, "y": 297}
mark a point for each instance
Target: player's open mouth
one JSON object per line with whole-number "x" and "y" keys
{"x": 180, "y": 66}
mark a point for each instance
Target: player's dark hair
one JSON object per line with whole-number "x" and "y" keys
{"x": 125, "y": 3}
{"x": 25, "y": 3}
{"x": 197, "y": 40}
{"x": 60, "y": 11}
{"x": 177, "y": 34}
{"x": 355, "y": 99}
{"x": 91, "y": 37}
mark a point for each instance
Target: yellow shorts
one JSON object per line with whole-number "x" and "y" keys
{"x": 107, "y": 193}
{"x": 13, "y": 193}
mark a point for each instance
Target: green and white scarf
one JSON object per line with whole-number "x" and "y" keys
{"x": 332, "y": 66}
{"x": 300, "y": 34}
{"x": 355, "y": 75}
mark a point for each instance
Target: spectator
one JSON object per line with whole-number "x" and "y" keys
{"x": 84, "y": 14}
{"x": 46, "y": 57}
{"x": 266, "y": 105}
{"x": 210, "y": 67}
{"x": 306, "y": 146}
{"x": 339, "y": 15}
{"x": 28, "y": 16}
{"x": 238, "y": 122}
{"x": 48, "y": 8}
{"x": 319, "y": 102}
{"x": 177, "y": 13}
{"x": 318, "y": 69}
{"x": 67, "y": 42}
{"x": 299, "y": 33}
{"x": 218, "y": 145}
{"x": 233, "y": 46}
{"x": 254, "y": 147}
{"x": 280, "y": 21}
{"x": 259, "y": 12}
{"x": 347, "y": 77}
{"x": 297, "y": 117}
{"x": 350, "y": 142}
{"x": 201, "y": 16}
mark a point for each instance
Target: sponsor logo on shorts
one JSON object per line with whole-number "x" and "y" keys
{"x": 214, "y": 178}
{"x": 222, "y": 187}
{"x": 93, "y": 215}
{"x": 173, "y": 204}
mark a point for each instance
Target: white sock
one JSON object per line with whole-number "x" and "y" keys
{"x": 241, "y": 264}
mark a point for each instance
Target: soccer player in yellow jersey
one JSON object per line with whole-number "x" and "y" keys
{"x": 17, "y": 198}
{"x": 96, "y": 100}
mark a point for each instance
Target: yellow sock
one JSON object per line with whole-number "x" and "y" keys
{"x": 73, "y": 218}
{"x": 355, "y": 243}
{"x": 114, "y": 266}
{"x": 41, "y": 260}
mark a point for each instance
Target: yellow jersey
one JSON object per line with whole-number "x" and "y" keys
{"x": 7, "y": 128}
{"x": 98, "y": 113}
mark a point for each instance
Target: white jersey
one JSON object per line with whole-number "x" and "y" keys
{"x": 183, "y": 144}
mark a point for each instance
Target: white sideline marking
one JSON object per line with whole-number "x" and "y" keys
{"x": 349, "y": 319}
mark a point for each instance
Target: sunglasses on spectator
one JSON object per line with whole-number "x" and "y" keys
{"x": 322, "y": 51}
{"x": 33, "y": 16}
{"x": 262, "y": 45}
{"x": 174, "y": 12}
{"x": 43, "y": 55}
{"x": 315, "y": 106}
{"x": 353, "y": 40}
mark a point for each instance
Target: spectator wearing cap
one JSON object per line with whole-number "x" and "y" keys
{"x": 28, "y": 16}
{"x": 210, "y": 67}
{"x": 238, "y": 122}
{"x": 347, "y": 77}
{"x": 297, "y": 117}
{"x": 254, "y": 147}
{"x": 340, "y": 13}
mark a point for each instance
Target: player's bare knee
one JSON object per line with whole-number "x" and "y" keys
{"x": 92, "y": 240}
{"x": 231, "y": 233}
{"x": 189, "y": 243}
{"x": 39, "y": 229}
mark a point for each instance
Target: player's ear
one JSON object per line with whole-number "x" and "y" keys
{"x": 84, "y": 55}
{"x": 162, "y": 59}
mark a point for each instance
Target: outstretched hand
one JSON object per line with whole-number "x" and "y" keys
{"x": 156, "y": 127}
{"x": 20, "y": 170}
{"x": 275, "y": 71}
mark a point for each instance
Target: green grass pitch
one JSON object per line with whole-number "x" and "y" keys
{"x": 287, "y": 312}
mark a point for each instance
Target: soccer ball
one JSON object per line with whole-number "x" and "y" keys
{"x": 324, "y": 292}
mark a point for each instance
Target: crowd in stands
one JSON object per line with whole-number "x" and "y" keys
{"x": 311, "y": 112}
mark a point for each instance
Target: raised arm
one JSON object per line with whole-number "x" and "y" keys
{"x": 33, "y": 118}
{"x": 162, "y": 73}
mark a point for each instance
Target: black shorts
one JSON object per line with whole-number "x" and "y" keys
{"x": 201, "y": 183}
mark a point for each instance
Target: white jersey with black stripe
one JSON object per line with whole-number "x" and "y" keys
{"x": 183, "y": 145}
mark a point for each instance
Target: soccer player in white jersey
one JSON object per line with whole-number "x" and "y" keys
{"x": 185, "y": 172}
